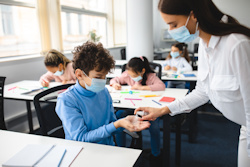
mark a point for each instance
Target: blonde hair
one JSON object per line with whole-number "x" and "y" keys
{"x": 53, "y": 58}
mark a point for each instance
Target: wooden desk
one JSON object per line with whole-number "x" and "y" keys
{"x": 94, "y": 155}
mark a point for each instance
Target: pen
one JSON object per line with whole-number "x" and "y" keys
{"x": 131, "y": 99}
{"x": 156, "y": 102}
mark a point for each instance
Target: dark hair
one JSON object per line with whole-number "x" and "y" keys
{"x": 53, "y": 58}
{"x": 207, "y": 14}
{"x": 136, "y": 65}
{"x": 181, "y": 47}
{"x": 90, "y": 56}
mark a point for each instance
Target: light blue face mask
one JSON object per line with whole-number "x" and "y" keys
{"x": 58, "y": 73}
{"x": 182, "y": 34}
{"x": 174, "y": 54}
{"x": 97, "y": 85}
{"x": 137, "y": 79}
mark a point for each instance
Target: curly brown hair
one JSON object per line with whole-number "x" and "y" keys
{"x": 90, "y": 56}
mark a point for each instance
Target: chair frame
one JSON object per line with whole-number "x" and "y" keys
{"x": 2, "y": 122}
{"x": 38, "y": 108}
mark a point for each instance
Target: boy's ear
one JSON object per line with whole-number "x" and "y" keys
{"x": 79, "y": 74}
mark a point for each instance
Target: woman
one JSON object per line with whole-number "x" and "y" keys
{"x": 224, "y": 64}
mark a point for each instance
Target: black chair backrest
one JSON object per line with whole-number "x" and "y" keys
{"x": 196, "y": 47}
{"x": 50, "y": 123}
{"x": 123, "y": 54}
{"x": 2, "y": 122}
{"x": 155, "y": 66}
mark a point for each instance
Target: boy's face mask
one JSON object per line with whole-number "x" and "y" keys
{"x": 182, "y": 34}
{"x": 97, "y": 85}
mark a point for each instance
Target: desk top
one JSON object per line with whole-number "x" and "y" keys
{"x": 94, "y": 155}
{"x": 15, "y": 90}
{"x": 145, "y": 101}
{"x": 168, "y": 76}
{"x": 120, "y": 62}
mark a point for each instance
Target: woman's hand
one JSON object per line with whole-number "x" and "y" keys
{"x": 132, "y": 123}
{"x": 152, "y": 113}
{"x": 174, "y": 68}
{"x": 167, "y": 68}
{"x": 117, "y": 86}
{"x": 64, "y": 81}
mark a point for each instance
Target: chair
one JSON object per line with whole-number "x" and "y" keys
{"x": 195, "y": 59}
{"x": 44, "y": 102}
{"x": 2, "y": 122}
{"x": 123, "y": 54}
{"x": 155, "y": 66}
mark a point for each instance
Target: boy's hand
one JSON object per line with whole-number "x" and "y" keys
{"x": 45, "y": 84}
{"x": 174, "y": 68}
{"x": 153, "y": 113}
{"x": 132, "y": 123}
{"x": 117, "y": 86}
{"x": 167, "y": 68}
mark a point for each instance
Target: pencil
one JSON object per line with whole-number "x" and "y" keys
{"x": 156, "y": 102}
{"x": 149, "y": 95}
{"x": 132, "y": 102}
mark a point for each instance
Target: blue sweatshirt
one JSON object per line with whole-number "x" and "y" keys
{"x": 86, "y": 116}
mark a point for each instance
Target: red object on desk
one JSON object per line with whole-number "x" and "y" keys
{"x": 167, "y": 99}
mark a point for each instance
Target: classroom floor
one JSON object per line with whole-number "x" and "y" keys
{"x": 216, "y": 143}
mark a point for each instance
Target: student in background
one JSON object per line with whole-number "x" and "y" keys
{"x": 140, "y": 76}
{"x": 86, "y": 108}
{"x": 224, "y": 64}
{"x": 177, "y": 60}
{"x": 59, "y": 69}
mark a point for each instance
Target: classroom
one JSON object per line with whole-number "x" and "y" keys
{"x": 142, "y": 83}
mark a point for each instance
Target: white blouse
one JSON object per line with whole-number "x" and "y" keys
{"x": 180, "y": 63}
{"x": 223, "y": 78}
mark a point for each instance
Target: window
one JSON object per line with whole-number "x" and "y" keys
{"x": 80, "y": 18}
{"x": 19, "y": 32}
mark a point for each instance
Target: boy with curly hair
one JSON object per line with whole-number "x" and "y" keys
{"x": 86, "y": 108}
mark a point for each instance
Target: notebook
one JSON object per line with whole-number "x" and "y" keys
{"x": 189, "y": 75}
{"x": 167, "y": 99}
{"x": 28, "y": 156}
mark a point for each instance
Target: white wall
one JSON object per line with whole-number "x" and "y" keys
{"x": 27, "y": 69}
{"x": 236, "y": 8}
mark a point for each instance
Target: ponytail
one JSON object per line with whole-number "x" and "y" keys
{"x": 136, "y": 65}
{"x": 53, "y": 58}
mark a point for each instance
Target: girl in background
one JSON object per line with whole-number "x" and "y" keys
{"x": 177, "y": 60}
{"x": 59, "y": 69}
{"x": 140, "y": 76}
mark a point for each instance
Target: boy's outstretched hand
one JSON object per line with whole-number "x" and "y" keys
{"x": 132, "y": 123}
